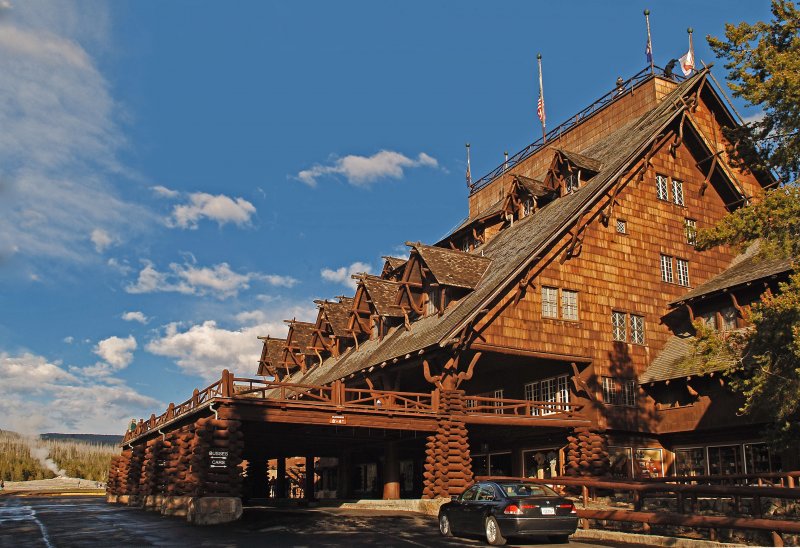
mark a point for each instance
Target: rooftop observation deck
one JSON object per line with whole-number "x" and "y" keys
{"x": 617, "y": 93}
{"x": 335, "y": 404}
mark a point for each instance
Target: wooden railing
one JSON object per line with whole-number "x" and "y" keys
{"x": 337, "y": 395}
{"x": 683, "y": 517}
{"x": 521, "y": 408}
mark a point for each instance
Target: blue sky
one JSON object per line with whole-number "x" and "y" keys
{"x": 179, "y": 177}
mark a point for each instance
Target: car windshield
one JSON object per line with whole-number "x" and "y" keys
{"x": 526, "y": 490}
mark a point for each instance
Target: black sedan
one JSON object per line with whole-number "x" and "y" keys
{"x": 498, "y": 509}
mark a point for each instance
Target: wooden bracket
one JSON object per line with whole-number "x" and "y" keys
{"x": 467, "y": 375}
{"x": 579, "y": 384}
{"x": 574, "y": 243}
{"x": 673, "y": 146}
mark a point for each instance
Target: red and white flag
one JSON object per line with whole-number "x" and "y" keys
{"x": 687, "y": 63}
{"x": 540, "y": 103}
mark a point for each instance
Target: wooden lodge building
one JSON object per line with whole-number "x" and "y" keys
{"x": 549, "y": 333}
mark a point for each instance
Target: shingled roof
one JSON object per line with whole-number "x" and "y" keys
{"x": 580, "y": 161}
{"x": 750, "y": 268}
{"x": 534, "y": 186}
{"x": 272, "y": 354}
{"x": 451, "y": 267}
{"x": 394, "y": 262}
{"x": 513, "y": 249}
{"x": 337, "y": 314}
{"x": 382, "y": 293}
{"x": 300, "y": 335}
{"x": 678, "y": 359}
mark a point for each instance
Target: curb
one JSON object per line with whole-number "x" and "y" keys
{"x": 650, "y": 540}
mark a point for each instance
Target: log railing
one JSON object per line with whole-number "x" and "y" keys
{"x": 337, "y": 395}
{"x": 640, "y": 489}
{"x": 503, "y": 406}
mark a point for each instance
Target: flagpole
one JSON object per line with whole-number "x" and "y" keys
{"x": 649, "y": 40}
{"x": 540, "y": 107}
{"x": 469, "y": 171}
{"x": 690, "y": 30}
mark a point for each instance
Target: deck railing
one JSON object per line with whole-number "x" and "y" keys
{"x": 339, "y": 397}
{"x": 619, "y": 91}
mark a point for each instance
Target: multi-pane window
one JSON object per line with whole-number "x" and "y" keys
{"x": 728, "y": 315}
{"x": 497, "y": 404}
{"x": 527, "y": 207}
{"x": 571, "y": 181}
{"x": 666, "y": 269}
{"x": 549, "y": 302}
{"x": 618, "y": 326}
{"x": 569, "y": 305}
{"x": 677, "y": 192}
{"x": 554, "y": 389}
{"x": 619, "y": 391}
{"x": 662, "y": 187}
{"x": 637, "y": 329}
{"x": 622, "y": 226}
{"x": 433, "y": 301}
{"x": 683, "y": 272}
{"x": 690, "y": 226}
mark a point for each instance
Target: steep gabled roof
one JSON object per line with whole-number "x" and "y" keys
{"x": 534, "y": 186}
{"x": 451, "y": 267}
{"x": 271, "y": 355}
{"x": 748, "y": 269}
{"x": 337, "y": 313}
{"x": 394, "y": 262}
{"x": 382, "y": 293}
{"x": 581, "y": 161}
{"x": 300, "y": 334}
{"x": 513, "y": 249}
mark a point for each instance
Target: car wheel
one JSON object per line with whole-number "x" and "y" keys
{"x": 493, "y": 534}
{"x": 559, "y": 539}
{"x": 444, "y": 525}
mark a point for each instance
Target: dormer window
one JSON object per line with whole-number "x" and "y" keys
{"x": 527, "y": 206}
{"x": 571, "y": 182}
{"x": 433, "y": 301}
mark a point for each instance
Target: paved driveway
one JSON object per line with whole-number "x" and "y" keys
{"x": 78, "y": 521}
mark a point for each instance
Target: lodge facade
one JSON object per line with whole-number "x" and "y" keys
{"x": 550, "y": 333}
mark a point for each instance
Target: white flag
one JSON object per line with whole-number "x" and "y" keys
{"x": 687, "y": 63}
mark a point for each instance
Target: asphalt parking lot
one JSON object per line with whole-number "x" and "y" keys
{"x": 87, "y": 521}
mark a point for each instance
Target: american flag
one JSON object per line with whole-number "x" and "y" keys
{"x": 540, "y": 109}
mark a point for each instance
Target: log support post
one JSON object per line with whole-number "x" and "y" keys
{"x": 308, "y": 488}
{"x": 448, "y": 466}
{"x": 391, "y": 472}
{"x": 280, "y": 478}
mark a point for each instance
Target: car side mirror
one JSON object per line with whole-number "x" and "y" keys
{"x": 454, "y": 498}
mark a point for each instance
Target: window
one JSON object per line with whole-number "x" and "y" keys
{"x": 666, "y": 269}
{"x": 690, "y": 226}
{"x": 497, "y": 404}
{"x": 572, "y": 182}
{"x": 619, "y": 391}
{"x": 622, "y": 226}
{"x": 618, "y": 326}
{"x": 709, "y": 319}
{"x": 637, "y": 329}
{"x": 433, "y": 301}
{"x": 549, "y": 302}
{"x": 683, "y": 272}
{"x": 677, "y": 192}
{"x": 569, "y": 305}
{"x": 728, "y": 315}
{"x": 554, "y": 389}
{"x": 527, "y": 206}
{"x": 662, "y": 187}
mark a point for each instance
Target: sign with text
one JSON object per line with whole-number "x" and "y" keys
{"x": 338, "y": 419}
{"x": 219, "y": 459}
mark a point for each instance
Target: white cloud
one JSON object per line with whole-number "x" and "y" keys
{"x": 165, "y": 192}
{"x": 60, "y": 138}
{"x": 135, "y": 316}
{"x": 116, "y": 352}
{"x": 363, "y": 170}
{"x": 69, "y": 340}
{"x": 219, "y": 208}
{"x": 101, "y": 239}
{"x": 218, "y": 280}
{"x": 38, "y": 395}
{"x": 205, "y": 349}
{"x": 343, "y": 274}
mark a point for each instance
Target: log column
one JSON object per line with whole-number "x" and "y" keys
{"x": 448, "y": 465}
{"x": 280, "y": 478}
{"x": 308, "y": 488}
{"x": 391, "y": 472}
{"x": 257, "y": 485}
{"x": 587, "y": 454}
